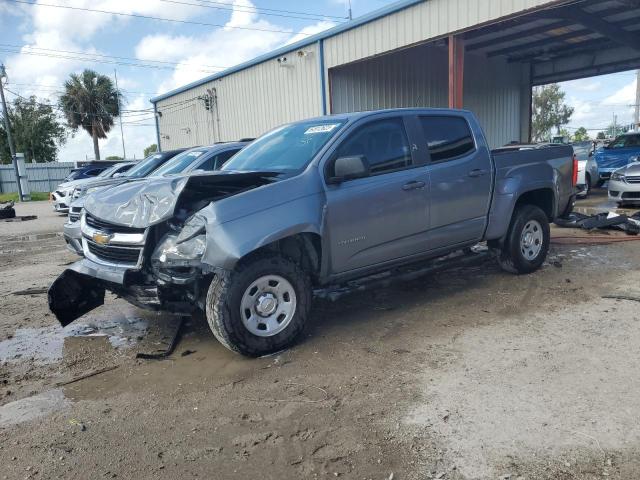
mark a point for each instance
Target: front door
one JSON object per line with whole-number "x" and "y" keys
{"x": 460, "y": 174}
{"x": 385, "y": 216}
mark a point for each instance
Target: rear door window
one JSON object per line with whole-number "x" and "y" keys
{"x": 216, "y": 161}
{"x": 384, "y": 143}
{"x": 447, "y": 137}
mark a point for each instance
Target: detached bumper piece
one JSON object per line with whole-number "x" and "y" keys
{"x": 74, "y": 294}
{"x": 604, "y": 220}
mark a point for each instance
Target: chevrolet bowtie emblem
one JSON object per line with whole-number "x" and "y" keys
{"x": 101, "y": 238}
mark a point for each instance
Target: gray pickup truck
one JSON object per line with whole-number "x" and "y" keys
{"x": 313, "y": 206}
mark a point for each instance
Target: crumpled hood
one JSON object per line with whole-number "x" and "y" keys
{"x": 150, "y": 201}
{"x": 105, "y": 182}
{"x": 137, "y": 204}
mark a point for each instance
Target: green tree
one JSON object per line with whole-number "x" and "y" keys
{"x": 36, "y": 131}
{"x": 580, "y": 135}
{"x": 548, "y": 111}
{"x": 600, "y": 136}
{"x": 90, "y": 102}
{"x": 114, "y": 157}
{"x": 153, "y": 148}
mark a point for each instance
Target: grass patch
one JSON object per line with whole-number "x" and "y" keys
{"x": 35, "y": 196}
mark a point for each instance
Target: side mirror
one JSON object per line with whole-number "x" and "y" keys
{"x": 349, "y": 168}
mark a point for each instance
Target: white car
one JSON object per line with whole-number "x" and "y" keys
{"x": 587, "y": 167}
{"x": 624, "y": 184}
{"x": 63, "y": 195}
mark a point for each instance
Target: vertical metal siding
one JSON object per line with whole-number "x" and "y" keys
{"x": 420, "y": 22}
{"x": 250, "y": 102}
{"x": 417, "y": 77}
{"x": 43, "y": 177}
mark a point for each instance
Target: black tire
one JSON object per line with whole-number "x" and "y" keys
{"x": 7, "y": 213}
{"x": 511, "y": 257}
{"x": 224, "y": 299}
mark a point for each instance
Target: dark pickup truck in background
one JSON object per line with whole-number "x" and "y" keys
{"x": 315, "y": 205}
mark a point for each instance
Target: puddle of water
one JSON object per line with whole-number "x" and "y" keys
{"x": 45, "y": 345}
{"x": 32, "y": 407}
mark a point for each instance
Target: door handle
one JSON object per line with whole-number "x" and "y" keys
{"x": 477, "y": 172}
{"x": 413, "y": 185}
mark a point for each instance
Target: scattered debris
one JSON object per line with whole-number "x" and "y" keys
{"x": 187, "y": 352}
{"x": 6, "y": 210}
{"x": 623, "y": 297}
{"x": 77, "y": 423}
{"x": 31, "y": 291}
{"x": 604, "y": 220}
{"x": 169, "y": 350}
{"x": 87, "y": 375}
{"x": 19, "y": 218}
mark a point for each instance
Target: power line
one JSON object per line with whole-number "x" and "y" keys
{"x": 274, "y": 10}
{"x": 162, "y": 19}
{"x": 261, "y": 11}
{"x": 173, "y": 64}
{"x": 60, "y": 87}
{"x": 95, "y": 60}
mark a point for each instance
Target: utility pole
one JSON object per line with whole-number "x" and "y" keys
{"x": 124, "y": 153}
{"x": 636, "y": 118}
{"x": 350, "y": 15}
{"x": 7, "y": 126}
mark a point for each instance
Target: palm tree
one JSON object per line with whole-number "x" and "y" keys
{"x": 91, "y": 102}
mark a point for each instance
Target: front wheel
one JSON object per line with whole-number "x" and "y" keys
{"x": 261, "y": 307}
{"x": 527, "y": 242}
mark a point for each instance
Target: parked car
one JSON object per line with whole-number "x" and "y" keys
{"x": 170, "y": 163}
{"x": 71, "y": 229}
{"x": 624, "y": 184}
{"x": 88, "y": 171}
{"x": 587, "y": 167}
{"x": 312, "y": 206}
{"x": 62, "y": 196}
{"x": 617, "y": 154}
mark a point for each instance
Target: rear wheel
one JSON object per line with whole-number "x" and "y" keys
{"x": 527, "y": 242}
{"x": 261, "y": 307}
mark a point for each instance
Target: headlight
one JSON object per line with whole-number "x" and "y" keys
{"x": 635, "y": 158}
{"x": 77, "y": 193}
{"x": 617, "y": 176}
{"x": 183, "y": 249}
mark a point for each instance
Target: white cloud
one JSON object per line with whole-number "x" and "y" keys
{"x": 625, "y": 96}
{"x": 311, "y": 30}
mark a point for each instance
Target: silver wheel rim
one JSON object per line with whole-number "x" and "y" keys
{"x": 531, "y": 240}
{"x": 268, "y": 305}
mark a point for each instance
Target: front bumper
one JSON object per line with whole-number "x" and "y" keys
{"x": 624, "y": 192}
{"x": 73, "y": 237}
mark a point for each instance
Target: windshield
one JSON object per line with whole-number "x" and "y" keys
{"x": 180, "y": 162}
{"x": 72, "y": 176}
{"x": 146, "y": 166}
{"x": 625, "y": 141}
{"x": 108, "y": 172}
{"x": 287, "y": 149}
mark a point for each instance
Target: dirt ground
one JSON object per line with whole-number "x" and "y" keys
{"x": 468, "y": 374}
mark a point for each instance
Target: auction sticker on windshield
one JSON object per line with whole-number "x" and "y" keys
{"x": 321, "y": 128}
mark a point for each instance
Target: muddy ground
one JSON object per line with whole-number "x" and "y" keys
{"x": 467, "y": 374}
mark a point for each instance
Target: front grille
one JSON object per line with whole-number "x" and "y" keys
{"x": 633, "y": 179}
{"x": 111, "y": 253}
{"x": 74, "y": 214}
{"x": 631, "y": 195}
{"x": 107, "y": 227}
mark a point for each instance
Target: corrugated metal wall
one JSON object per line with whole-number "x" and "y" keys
{"x": 417, "y": 77}
{"x": 43, "y": 177}
{"x": 250, "y": 102}
{"x": 420, "y": 22}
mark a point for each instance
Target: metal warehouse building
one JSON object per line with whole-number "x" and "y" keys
{"x": 482, "y": 55}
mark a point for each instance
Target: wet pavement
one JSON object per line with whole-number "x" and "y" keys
{"x": 469, "y": 373}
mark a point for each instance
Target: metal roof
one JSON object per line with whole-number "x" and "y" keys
{"x": 343, "y": 27}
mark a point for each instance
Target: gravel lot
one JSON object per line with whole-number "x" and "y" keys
{"x": 468, "y": 374}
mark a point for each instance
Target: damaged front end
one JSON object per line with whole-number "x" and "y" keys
{"x": 146, "y": 246}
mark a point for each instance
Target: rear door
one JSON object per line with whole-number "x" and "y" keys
{"x": 460, "y": 176}
{"x": 382, "y": 217}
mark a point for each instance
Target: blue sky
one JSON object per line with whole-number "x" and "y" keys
{"x": 247, "y": 28}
